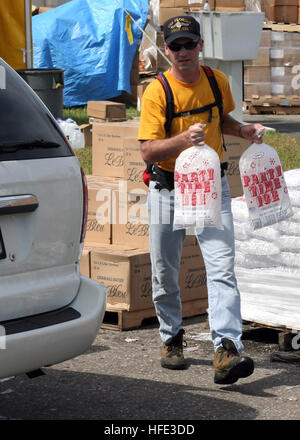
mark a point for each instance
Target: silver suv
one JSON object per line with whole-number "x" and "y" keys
{"x": 48, "y": 311}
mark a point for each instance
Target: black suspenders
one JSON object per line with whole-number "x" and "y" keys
{"x": 170, "y": 113}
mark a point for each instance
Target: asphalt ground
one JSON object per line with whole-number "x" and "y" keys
{"x": 284, "y": 124}
{"x": 120, "y": 379}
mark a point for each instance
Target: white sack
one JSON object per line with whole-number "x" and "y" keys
{"x": 264, "y": 186}
{"x": 198, "y": 191}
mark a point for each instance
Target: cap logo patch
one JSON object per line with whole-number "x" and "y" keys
{"x": 179, "y": 24}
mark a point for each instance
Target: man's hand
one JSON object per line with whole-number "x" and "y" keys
{"x": 253, "y": 132}
{"x": 196, "y": 135}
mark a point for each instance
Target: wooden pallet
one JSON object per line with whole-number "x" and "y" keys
{"x": 91, "y": 119}
{"x": 275, "y": 100}
{"x": 277, "y": 105}
{"x": 125, "y": 320}
{"x": 278, "y": 328}
{"x": 282, "y": 27}
{"x": 285, "y": 335}
{"x": 274, "y": 110}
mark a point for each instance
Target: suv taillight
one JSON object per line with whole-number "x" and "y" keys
{"x": 85, "y": 206}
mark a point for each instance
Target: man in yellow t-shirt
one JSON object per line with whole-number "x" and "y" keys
{"x": 191, "y": 89}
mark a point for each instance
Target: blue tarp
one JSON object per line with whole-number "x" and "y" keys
{"x": 94, "y": 42}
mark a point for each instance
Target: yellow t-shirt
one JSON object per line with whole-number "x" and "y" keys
{"x": 187, "y": 96}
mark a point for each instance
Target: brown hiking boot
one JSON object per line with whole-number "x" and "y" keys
{"x": 229, "y": 365}
{"x": 172, "y": 353}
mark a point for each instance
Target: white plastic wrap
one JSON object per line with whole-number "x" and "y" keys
{"x": 72, "y": 132}
{"x": 241, "y": 231}
{"x": 269, "y": 281}
{"x": 270, "y": 296}
{"x": 289, "y": 243}
{"x": 198, "y": 191}
{"x": 289, "y": 259}
{"x": 296, "y": 216}
{"x": 294, "y": 195}
{"x": 253, "y": 262}
{"x": 268, "y": 233}
{"x": 264, "y": 186}
{"x": 292, "y": 178}
{"x": 257, "y": 247}
{"x": 289, "y": 228}
{"x": 239, "y": 210}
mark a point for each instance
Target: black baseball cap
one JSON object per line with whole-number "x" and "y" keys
{"x": 182, "y": 26}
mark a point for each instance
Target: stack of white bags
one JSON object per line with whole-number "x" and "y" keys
{"x": 276, "y": 246}
{"x": 268, "y": 263}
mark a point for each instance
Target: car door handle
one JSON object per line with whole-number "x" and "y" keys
{"x": 18, "y": 204}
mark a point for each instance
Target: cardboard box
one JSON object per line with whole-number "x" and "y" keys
{"x": 140, "y": 90}
{"x": 106, "y": 109}
{"x": 44, "y": 9}
{"x": 263, "y": 58}
{"x": 265, "y": 40}
{"x": 173, "y": 3}
{"x": 286, "y": 2}
{"x": 107, "y": 152}
{"x": 235, "y": 147}
{"x": 257, "y": 74}
{"x": 284, "y": 89}
{"x": 285, "y": 39}
{"x": 100, "y": 208}
{"x": 192, "y": 275}
{"x": 229, "y": 3}
{"x": 269, "y": 13}
{"x": 87, "y": 132}
{"x": 298, "y": 15}
{"x": 268, "y": 7}
{"x": 285, "y": 56}
{"x": 127, "y": 275}
{"x": 166, "y": 13}
{"x": 130, "y": 224}
{"x": 161, "y": 63}
{"x": 130, "y": 221}
{"x": 256, "y": 89}
{"x": 198, "y": 4}
{"x": 286, "y": 13}
{"x": 283, "y": 11}
{"x": 84, "y": 263}
{"x": 283, "y": 75}
{"x": 134, "y": 165}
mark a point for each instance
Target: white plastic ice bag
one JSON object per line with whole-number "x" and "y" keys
{"x": 198, "y": 192}
{"x": 265, "y": 189}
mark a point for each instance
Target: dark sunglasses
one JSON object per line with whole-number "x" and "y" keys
{"x": 190, "y": 45}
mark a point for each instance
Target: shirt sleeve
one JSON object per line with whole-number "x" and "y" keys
{"x": 153, "y": 113}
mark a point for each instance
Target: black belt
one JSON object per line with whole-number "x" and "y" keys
{"x": 165, "y": 179}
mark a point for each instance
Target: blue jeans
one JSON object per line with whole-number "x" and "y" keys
{"x": 217, "y": 247}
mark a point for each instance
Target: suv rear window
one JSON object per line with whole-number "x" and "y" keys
{"x": 27, "y": 128}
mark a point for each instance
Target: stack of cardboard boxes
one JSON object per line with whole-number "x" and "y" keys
{"x": 164, "y": 9}
{"x": 275, "y": 72}
{"x": 229, "y": 5}
{"x": 285, "y": 63}
{"x": 172, "y": 8}
{"x": 257, "y": 73}
{"x": 281, "y": 11}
